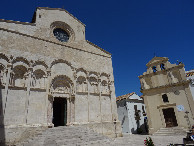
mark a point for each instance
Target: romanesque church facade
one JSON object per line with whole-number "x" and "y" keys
{"x": 51, "y": 76}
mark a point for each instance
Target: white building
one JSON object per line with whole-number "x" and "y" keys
{"x": 190, "y": 76}
{"x": 131, "y": 113}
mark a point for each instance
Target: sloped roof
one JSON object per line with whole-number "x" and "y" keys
{"x": 189, "y": 73}
{"x": 124, "y": 96}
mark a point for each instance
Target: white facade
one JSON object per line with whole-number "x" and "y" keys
{"x": 190, "y": 76}
{"x": 131, "y": 113}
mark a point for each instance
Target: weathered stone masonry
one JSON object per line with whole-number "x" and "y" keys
{"x": 36, "y": 69}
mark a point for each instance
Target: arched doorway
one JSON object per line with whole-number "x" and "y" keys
{"x": 59, "y": 111}
{"x": 170, "y": 117}
{"x": 61, "y": 89}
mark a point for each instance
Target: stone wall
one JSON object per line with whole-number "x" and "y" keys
{"x": 36, "y": 68}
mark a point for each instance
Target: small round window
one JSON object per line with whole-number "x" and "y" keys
{"x": 61, "y": 34}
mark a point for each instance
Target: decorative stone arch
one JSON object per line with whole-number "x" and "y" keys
{"x": 19, "y": 76}
{"x": 3, "y": 56}
{"x": 93, "y": 73}
{"x": 104, "y": 85}
{"x": 93, "y": 80}
{"x": 39, "y": 79}
{"x": 62, "y": 67}
{"x": 61, "y": 61}
{"x": 81, "y": 82}
{"x": 105, "y": 74}
{"x": 36, "y": 63}
{"x": 81, "y": 70}
{"x": 62, "y": 84}
{"x": 21, "y": 59}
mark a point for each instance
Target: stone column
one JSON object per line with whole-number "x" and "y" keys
{"x": 28, "y": 76}
{"x": 7, "y": 72}
{"x": 68, "y": 111}
{"x": 87, "y": 79}
{"x": 49, "y": 100}
{"x": 72, "y": 108}
{"x": 99, "y": 90}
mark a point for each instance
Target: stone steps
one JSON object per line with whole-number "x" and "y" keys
{"x": 67, "y": 136}
{"x": 170, "y": 131}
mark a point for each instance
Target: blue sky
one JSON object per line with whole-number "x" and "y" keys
{"x": 132, "y": 30}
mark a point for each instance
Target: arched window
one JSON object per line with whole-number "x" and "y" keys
{"x": 165, "y": 98}
{"x": 162, "y": 66}
{"x": 154, "y": 69}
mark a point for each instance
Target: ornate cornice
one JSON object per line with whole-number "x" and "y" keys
{"x": 166, "y": 86}
{"x": 38, "y": 89}
{"x": 17, "y": 88}
{"x": 162, "y": 71}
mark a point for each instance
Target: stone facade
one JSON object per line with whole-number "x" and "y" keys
{"x": 190, "y": 76}
{"x": 166, "y": 95}
{"x": 45, "y": 73}
{"x": 131, "y": 113}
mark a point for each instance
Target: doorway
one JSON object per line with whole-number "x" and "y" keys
{"x": 170, "y": 118}
{"x": 59, "y": 111}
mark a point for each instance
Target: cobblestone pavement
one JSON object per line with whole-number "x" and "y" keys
{"x": 138, "y": 140}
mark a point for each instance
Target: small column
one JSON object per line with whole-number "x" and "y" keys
{"x": 28, "y": 82}
{"x": 88, "y": 79}
{"x": 72, "y": 107}
{"x": 99, "y": 90}
{"x": 113, "y": 100}
{"x": 68, "y": 112}
{"x": 8, "y": 71}
{"x": 49, "y": 100}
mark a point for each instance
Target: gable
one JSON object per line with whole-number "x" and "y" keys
{"x": 156, "y": 60}
{"x": 45, "y": 22}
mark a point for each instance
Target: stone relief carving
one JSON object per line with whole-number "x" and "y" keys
{"x": 94, "y": 85}
{"x": 105, "y": 87}
{"x": 62, "y": 84}
{"x": 39, "y": 79}
{"x": 19, "y": 76}
{"x": 81, "y": 84}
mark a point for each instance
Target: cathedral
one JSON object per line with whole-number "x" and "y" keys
{"x": 50, "y": 75}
